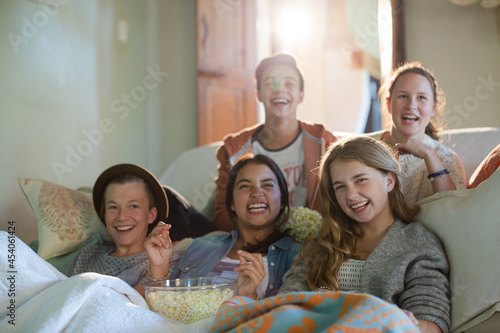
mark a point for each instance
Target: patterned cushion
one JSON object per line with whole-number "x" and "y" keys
{"x": 66, "y": 218}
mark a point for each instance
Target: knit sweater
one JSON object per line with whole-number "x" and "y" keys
{"x": 408, "y": 268}
{"x": 95, "y": 258}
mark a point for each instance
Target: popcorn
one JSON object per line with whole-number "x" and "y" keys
{"x": 302, "y": 223}
{"x": 188, "y": 306}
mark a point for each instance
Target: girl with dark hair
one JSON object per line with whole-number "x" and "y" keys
{"x": 368, "y": 242}
{"x": 257, "y": 252}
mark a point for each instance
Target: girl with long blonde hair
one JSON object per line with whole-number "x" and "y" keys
{"x": 368, "y": 242}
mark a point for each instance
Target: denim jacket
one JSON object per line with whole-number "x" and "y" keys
{"x": 206, "y": 252}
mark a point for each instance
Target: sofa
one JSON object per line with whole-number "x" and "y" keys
{"x": 467, "y": 221}
{"x": 192, "y": 174}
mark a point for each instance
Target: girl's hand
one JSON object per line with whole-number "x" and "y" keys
{"x": 250, "y": 273}
{"x": 158, "y": 246}
{"x": 432, "y": 162}
{"x": 414, "y": 147}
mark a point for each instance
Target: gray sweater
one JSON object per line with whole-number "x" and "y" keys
{"x": 408, "y": 268}
{"x": 95, "y": 258}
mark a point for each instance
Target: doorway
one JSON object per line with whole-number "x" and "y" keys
{"x": 337, "y": 44}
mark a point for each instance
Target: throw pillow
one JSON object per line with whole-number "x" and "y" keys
{"x": 467, "y": 222}
{"x": 66, "y": 218}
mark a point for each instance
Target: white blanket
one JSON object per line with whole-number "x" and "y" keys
{"x": 37, "y": 298}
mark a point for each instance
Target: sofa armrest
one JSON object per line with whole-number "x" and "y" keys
{"x": 472, "y": 145}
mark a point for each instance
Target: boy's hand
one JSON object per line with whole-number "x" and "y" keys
{"x": 158, "y": 246}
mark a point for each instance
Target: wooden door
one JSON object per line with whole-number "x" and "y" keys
{"x": 226, "y": 52}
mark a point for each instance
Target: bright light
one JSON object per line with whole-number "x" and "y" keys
{"x": 294, "y": 25}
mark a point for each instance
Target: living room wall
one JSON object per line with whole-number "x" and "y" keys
{"x": 89, "y": 84}
{"x": 66, "y": 72}
{"x": 462, "y": 46}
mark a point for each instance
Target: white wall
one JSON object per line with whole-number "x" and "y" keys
{"x": 461, "y": 45}
{"x": 71, "y": 87}
{"x": 71, "y": 70}
{"x": 336, "y": 91}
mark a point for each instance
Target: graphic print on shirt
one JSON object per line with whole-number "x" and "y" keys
{"x": 292, "y": 163}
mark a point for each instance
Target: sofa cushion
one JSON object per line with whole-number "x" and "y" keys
{"x": 66, "y": 218}
{"x": 468, "y": 225}
{"x": 193, "y": 174}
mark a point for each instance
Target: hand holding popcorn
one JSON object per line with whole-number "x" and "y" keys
{"x": 158, "y": 246}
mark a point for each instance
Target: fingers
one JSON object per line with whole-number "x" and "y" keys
{"x": 251, "y": 264}
{"x": 159, "y": 236}
{"x": 161, "y": 226}
{"x": 251, "y": 272}
{"x": 254, "y": 258}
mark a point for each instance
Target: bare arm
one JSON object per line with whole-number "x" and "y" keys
{"x": 432, "y": 162}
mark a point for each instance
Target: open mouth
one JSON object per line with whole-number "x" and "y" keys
{"x": 409, "y": 118}
{"x": 280, "y": 101}
{"x": 125, "y": 228}
{"x": 257, "y": 207}
{"x": 360, "y": 206}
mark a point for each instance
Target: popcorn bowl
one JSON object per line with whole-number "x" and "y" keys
{"x": 190, "y": 299}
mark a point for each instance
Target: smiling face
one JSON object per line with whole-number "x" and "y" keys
{"x": 256, "y": 197}
{"x": 362, "y": 192}
{"x": 128, "y": 215}
{"x": 280, "y": 91}
{"x": 411, "y": 105}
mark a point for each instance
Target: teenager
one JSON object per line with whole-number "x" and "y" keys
{"x": 368, "y": 242}
{"x": 296, "y": 146}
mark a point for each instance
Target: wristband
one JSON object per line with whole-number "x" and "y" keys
{"x": 436, "y": 174}
{"x": 170, "y": 271}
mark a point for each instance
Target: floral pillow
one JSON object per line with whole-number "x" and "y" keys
{"x": 66, "y": 218}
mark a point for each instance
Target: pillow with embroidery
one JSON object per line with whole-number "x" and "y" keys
{"x": 66, "y": 218}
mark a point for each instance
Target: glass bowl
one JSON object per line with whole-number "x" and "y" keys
{"x": 190, "y": 299}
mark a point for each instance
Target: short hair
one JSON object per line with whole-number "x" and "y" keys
{"x": 127, "y": 179}
{"x": 279, "y": 58}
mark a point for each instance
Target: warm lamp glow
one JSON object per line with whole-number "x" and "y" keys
{"x": 294, "y": 25}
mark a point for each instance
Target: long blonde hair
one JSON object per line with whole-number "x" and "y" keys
{"x": 337, "y": 236}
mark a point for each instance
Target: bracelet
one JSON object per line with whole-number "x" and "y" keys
{"x": 436, "y": 174}
{"x": 170, "y": 271}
